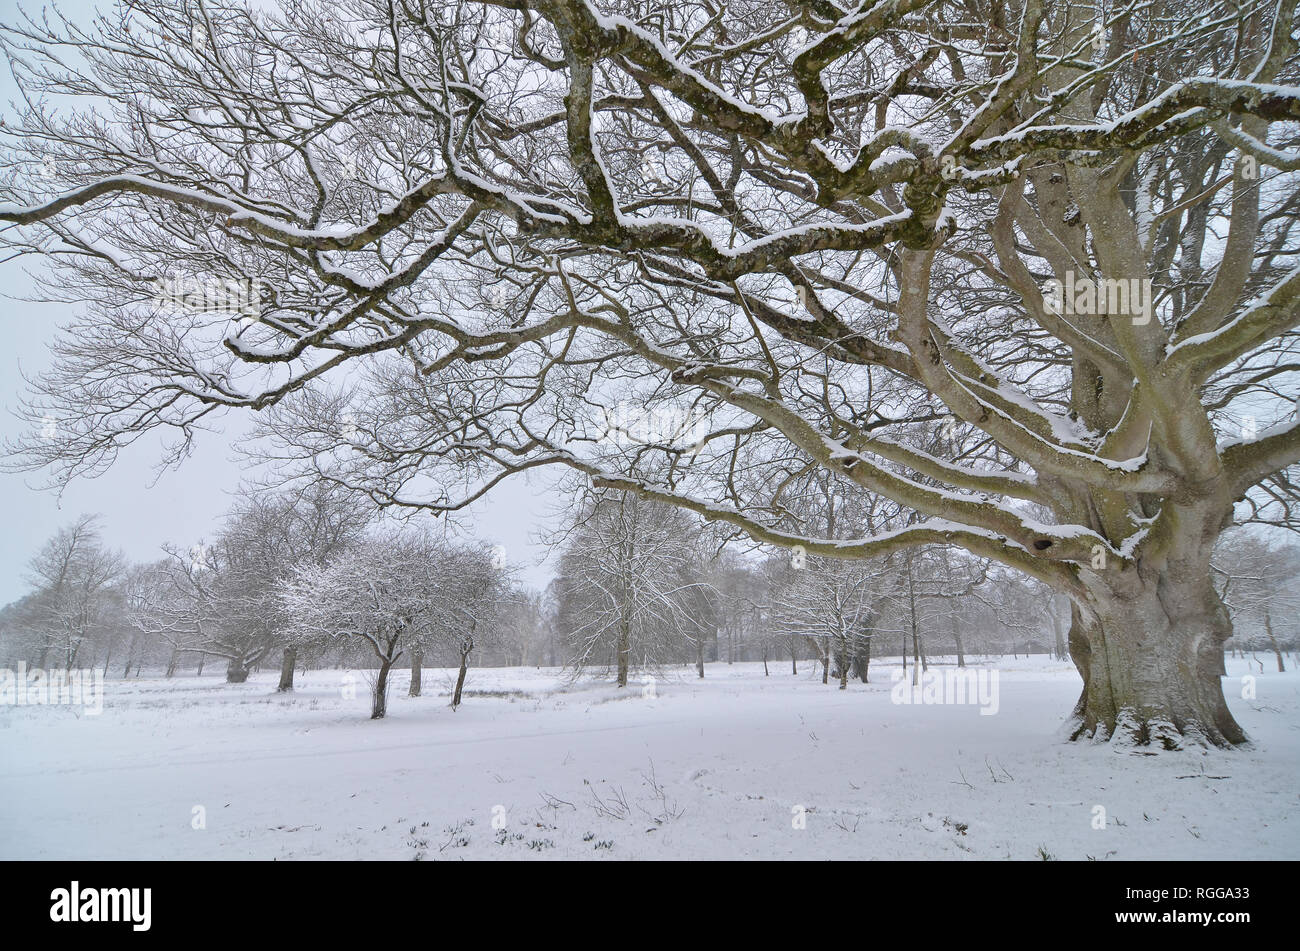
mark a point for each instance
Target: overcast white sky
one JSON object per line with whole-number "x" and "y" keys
{"x": 141, "y": 509}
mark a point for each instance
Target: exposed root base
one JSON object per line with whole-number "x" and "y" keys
{"x": 1149, "y": 733}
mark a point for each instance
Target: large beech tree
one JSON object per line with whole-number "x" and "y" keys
{"x": 1063, "y": 230}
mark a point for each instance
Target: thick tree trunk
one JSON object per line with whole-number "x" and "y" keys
{"x": 203, "y": 659}
{"x": 417, "y": 673}
{"x": 288, "y": 660}
{"x": 699, "y": 656}
{"x": 379, "y": 708}
{"x": 236, "y": 671}
{"x": 1150, "y": 651}
{"x": 172, "y": 661}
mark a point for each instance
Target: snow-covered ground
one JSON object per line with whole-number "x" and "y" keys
{"x": 720, "y": 768}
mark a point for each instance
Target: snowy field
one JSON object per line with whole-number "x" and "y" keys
{"x": 728, "y": 767}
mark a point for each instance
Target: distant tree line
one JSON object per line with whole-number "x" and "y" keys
{"x": 305, "y": 579}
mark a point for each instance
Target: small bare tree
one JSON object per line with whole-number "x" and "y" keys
{"x": 73, "y": 576}
{"x": 627, "y": 574}
{"x": 1261, "y": 586}
{"x": 382, "y": 591}
{"x": 475, "y": 591}
{"x": 398, "y": 592}
{"x": 195, "y": 601}
{"x": 268, "y": 536}
{"x": 832, "y": 604}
